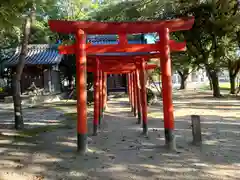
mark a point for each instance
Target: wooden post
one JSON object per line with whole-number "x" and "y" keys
{"x": 105, "y": 91}
{"x": 100, "y": 97}
{"x": 129, "y": 89}
{"x": 96, "y": 98}
{"x": 167, "y": 88}
{"x": 135, "y": 93}
{"x": 81, "y": 91}
{"x": 138, "y": 97}
{"x": 143, "y": 96}
{"x": 102, "y": 92}
{"x": 196, "y": 130}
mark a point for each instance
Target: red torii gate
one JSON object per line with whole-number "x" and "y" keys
{"x": 100, "y": 87}
{"x": 81, "y": 49}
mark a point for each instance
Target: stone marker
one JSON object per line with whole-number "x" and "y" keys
{"x": 196, "y": 130}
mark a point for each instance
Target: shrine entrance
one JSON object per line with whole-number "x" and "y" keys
{"x": 121, "y": 58}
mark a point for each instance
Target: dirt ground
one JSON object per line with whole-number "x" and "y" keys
{"x": 120, "y": 152}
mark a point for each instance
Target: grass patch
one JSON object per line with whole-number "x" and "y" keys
{"x": 223, "y": 86}
{"x": 204, "y": 88}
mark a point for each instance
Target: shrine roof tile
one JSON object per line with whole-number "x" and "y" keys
{"x": 37, "y": 55}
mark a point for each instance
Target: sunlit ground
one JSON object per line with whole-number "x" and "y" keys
{"x": 120, "y": 151}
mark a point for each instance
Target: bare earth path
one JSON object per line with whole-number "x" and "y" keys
{"x": 119, "y": 152}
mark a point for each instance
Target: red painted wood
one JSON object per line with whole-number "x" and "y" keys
{"x": 122, "y": 39}
{"x": 81, "y": 82}
{"x": 96, "y": 93}
{"x": 150, "y": 66}
{"x": 132, "y": 95}
{"x": 129, "y": 91}
{"x": 119, "y": 59}
{"x": 116, "y": 72}
{"x": 101, "y": 93}
{"x": 124, "y": 48}
{"x": 135, "y": 92}
{"x": 118, "y": 68}
{"x": 105, "y": 90}
{"x": 138, "y": 92}
{"x": 91, "y": 27}
{"x": 143, "y": 92}
{"x": 166, "y": 80}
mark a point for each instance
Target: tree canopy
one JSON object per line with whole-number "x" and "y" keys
{"x": 212, "y": 43}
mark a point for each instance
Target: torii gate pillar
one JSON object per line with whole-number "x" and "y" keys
{"x": 167, "y": 88}
{"x": 81, "y": 62}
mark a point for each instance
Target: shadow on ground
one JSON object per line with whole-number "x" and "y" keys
{"x": 121, "y": 152}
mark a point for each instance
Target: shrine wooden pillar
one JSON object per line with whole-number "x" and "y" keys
{"x": 143, "y": 96}
{"x": 96, "y": 97}
{"x": 135, "y": 93}
{"x": 138, "y": 97}
{"x": 129, "y": 89}
{"x": 131, "y": 92}
{"x": 80, "y": 50}
{"x": 167, "y": 88}
{"x": 132, "y": 95}
{"x": 105, "y": 91}
{"x": 100, "y": 96}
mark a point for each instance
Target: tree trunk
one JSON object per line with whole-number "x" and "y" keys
{"x": 184, "y": 76}
{"x": 215, "y": 83}
{"x": 210, "y": 84}
{"x": 233, "y": 69}
{"x": 18, "y": 74}
{"x": 17, "y": 102}
{"x": 183, "y": 83}
{"x": 210, "y": 81}
{"x": 232, "y": 84}
{"x": 238, "y": 89}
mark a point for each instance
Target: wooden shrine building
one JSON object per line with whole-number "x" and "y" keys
{"x": 41, "y": 67}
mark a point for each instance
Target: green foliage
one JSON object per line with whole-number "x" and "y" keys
{"x": 207, "y": 38}
{"x": 73, "y": 9}
{"x": 10, "y": 12}
{"x": 41, "y": 34}
{"x": 211, "y": 39}
{"x": 12, "y": 15}
{"x": 134, "y": 10}
{"x": 182, "y": 61}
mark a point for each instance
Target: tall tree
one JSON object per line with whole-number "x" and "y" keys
{"x": 19, "y": 68}
{"x": 26, "y": 14}
{"x": 213, "y": 22}
{"x": 231, "y": 61}
{"x": 184, "y": 64}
